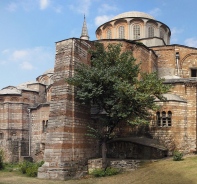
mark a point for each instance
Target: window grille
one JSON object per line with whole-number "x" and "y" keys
{"x": 121, "y": 32}
{"x": 164, "y": 119}
{"x": 136, "y": 32}
{"x": 109, "y": 34}
{"x": 150, "y": 31}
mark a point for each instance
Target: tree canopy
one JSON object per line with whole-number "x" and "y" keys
{"x": 113, "y": 81}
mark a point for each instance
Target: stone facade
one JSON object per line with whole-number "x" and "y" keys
{"x": 42, "y": 119}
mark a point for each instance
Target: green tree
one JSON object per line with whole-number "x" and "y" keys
{"x": 114, "y": 83}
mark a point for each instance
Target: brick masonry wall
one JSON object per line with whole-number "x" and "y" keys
{"x": 66, "y": 143}
{"x": 141, "y": 53}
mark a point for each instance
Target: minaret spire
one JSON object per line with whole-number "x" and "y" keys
{"x": 84, "y": 33}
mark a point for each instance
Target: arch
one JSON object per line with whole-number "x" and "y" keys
{"x": 162, "y": 33}
{"x": 25, "y": 100}
{"x": 109, "y": 34}
{"x": 1, "y": 135}
{"x": 119, "y": 22}
{"x": 151, "y": 31}
{"x": 163, "y": 118}
{"x": 136, "y": 31}
{"x": 158, "y": 118}
{"x": 188, "y": 55}
{"x": 14, "y": 99}
{"x": 43, "y": 126}
{"x": 106, "y": 26}
{"x": 169, "y": 118}
{"x": 121, "y": 32}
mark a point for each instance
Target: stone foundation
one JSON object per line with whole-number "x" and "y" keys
{"x": 123, "y": 165}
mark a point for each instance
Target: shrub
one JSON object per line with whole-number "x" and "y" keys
{"x": 105, "y": 172}
{"x": 30, "y": 168}
{"x": 23, "y": 166}
{"x": 98, "y": 173}
{"x": 177, "y": 156}
{"x": 32, "y": 171}
{"x": 1, "y": 159}
{"x": 111, "y": 171}
{"x": 10, "y": 167}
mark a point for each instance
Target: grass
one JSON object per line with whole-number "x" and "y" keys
{"x": 164, "y": 171}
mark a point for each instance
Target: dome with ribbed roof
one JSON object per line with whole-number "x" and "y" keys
{"x": 137, "y": 26}
{"x": 133, "y": 14}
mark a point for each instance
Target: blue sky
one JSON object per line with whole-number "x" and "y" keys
{"x": 30, "y": 28}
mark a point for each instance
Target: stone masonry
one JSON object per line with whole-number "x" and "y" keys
{"x": 67, "y": 148}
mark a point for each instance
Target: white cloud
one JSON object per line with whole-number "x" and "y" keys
{"x": 27, "y": 59}
{"x": 155, "y": 12}
{"x": 44, "y": 4}
{"x": 26, "y": 66}
{"x": 102, "y": 19}
{"x": 81, "y": 6}
{"x": 106, "y": 8}
{"x": 191, "y": 42}
{"x": 19, "y": 54}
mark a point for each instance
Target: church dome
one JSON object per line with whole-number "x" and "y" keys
{"x": 136, "y": 26}
{"x": 133, "y": 14}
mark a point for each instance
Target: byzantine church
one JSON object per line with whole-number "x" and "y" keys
{"x": 42, "y": 120}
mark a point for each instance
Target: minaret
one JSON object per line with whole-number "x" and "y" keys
{"x": 84, "y": 33}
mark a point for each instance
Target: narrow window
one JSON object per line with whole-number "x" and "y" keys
{"x": 136, "y": 32}
{"x": 163, "y": 118}
{"x": 169, "y": 118}
{"x": 161, "y": 34}
{"x": 121, "y": 32}
{"x": 150, "y": 31}
{"x": 193, "y": 72}
{"x": 1, "y": 135}
{"x": 46, "y": 124}
{"x": 109, "y": 34}
{"x": 43, "y": 126}
{"x": 158, "y": 119}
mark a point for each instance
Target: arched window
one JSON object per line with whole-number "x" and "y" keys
{"x": 169, "y": 118}
{"x": 109, "y": 34}
{"x": 150, "y": 31}
{"x": 164, "y": 119}
{"x": 44, "y": 125}
{"x": 158, "y": 119}
{"x": 161, "y": 33}
{"x": 136, "y": 31}
{"x": 1, "y": 135}
{"x": 121, "y": 32}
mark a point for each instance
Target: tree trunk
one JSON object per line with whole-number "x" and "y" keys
{"x": 104, "y": 154}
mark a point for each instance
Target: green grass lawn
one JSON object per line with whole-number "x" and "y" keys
{"x": 164, "y": 171}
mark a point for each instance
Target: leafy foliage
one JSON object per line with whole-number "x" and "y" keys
{"x": 30, "y": 168}
{"x": 177, "y": 156}
{"x": 9, "y": 167}
{"x": 109, "y": 171}
{"x": 1, "y": 159}
{"x": 113, "y": 82}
